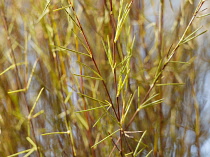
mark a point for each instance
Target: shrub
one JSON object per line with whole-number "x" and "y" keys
{"x": 102, "y": 78}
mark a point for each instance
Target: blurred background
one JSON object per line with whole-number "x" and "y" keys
{"x": 38, "y": 63}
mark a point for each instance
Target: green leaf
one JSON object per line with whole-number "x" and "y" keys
{"x": 28, "y": 151}
{"x": 148, "y": 100}
{"x": 110, "y": 115}
{"x": 22, "y": 152}
{"x": 100, "y": 118}
{"x": 34, "y": 105}
{"x": 61, "y": 8}
{"x": 105, "y": 138}
{"x": 109, "y": 53}
{"x": 179, "y": 62}
{"x": 139, "y": 142}
{"x": 54, "y": 133}
{"x": 11, "y": 67}
{"x": 170, "y": 84}
{"x": 103, "y": 102}
{"x": 129, "y": 154}
{"x": 127, "y": 107}
{"x": 89, "y": 77}
{"x": 151, "y": 104}
{"x": 72, "y": 19}
{"x": 90, "y": 69}
{"x": 92, "y": 109}
{"x": 32, "y": 142}
{"x": 45, "y": 11}
{"x": 149, "y": 153}
{"x": 83, "y": 121}
{"x": 77, "y": 52}
{"x": 191, "y": 34}
{"x": 121, "y": 83}
{"x": 185, "y": 41}
{"x": 121, "y": 19}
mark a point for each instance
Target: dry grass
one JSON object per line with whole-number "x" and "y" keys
{"x": 102, "y": 78}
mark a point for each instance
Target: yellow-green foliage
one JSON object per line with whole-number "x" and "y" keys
{"x": 101, "y": 78}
